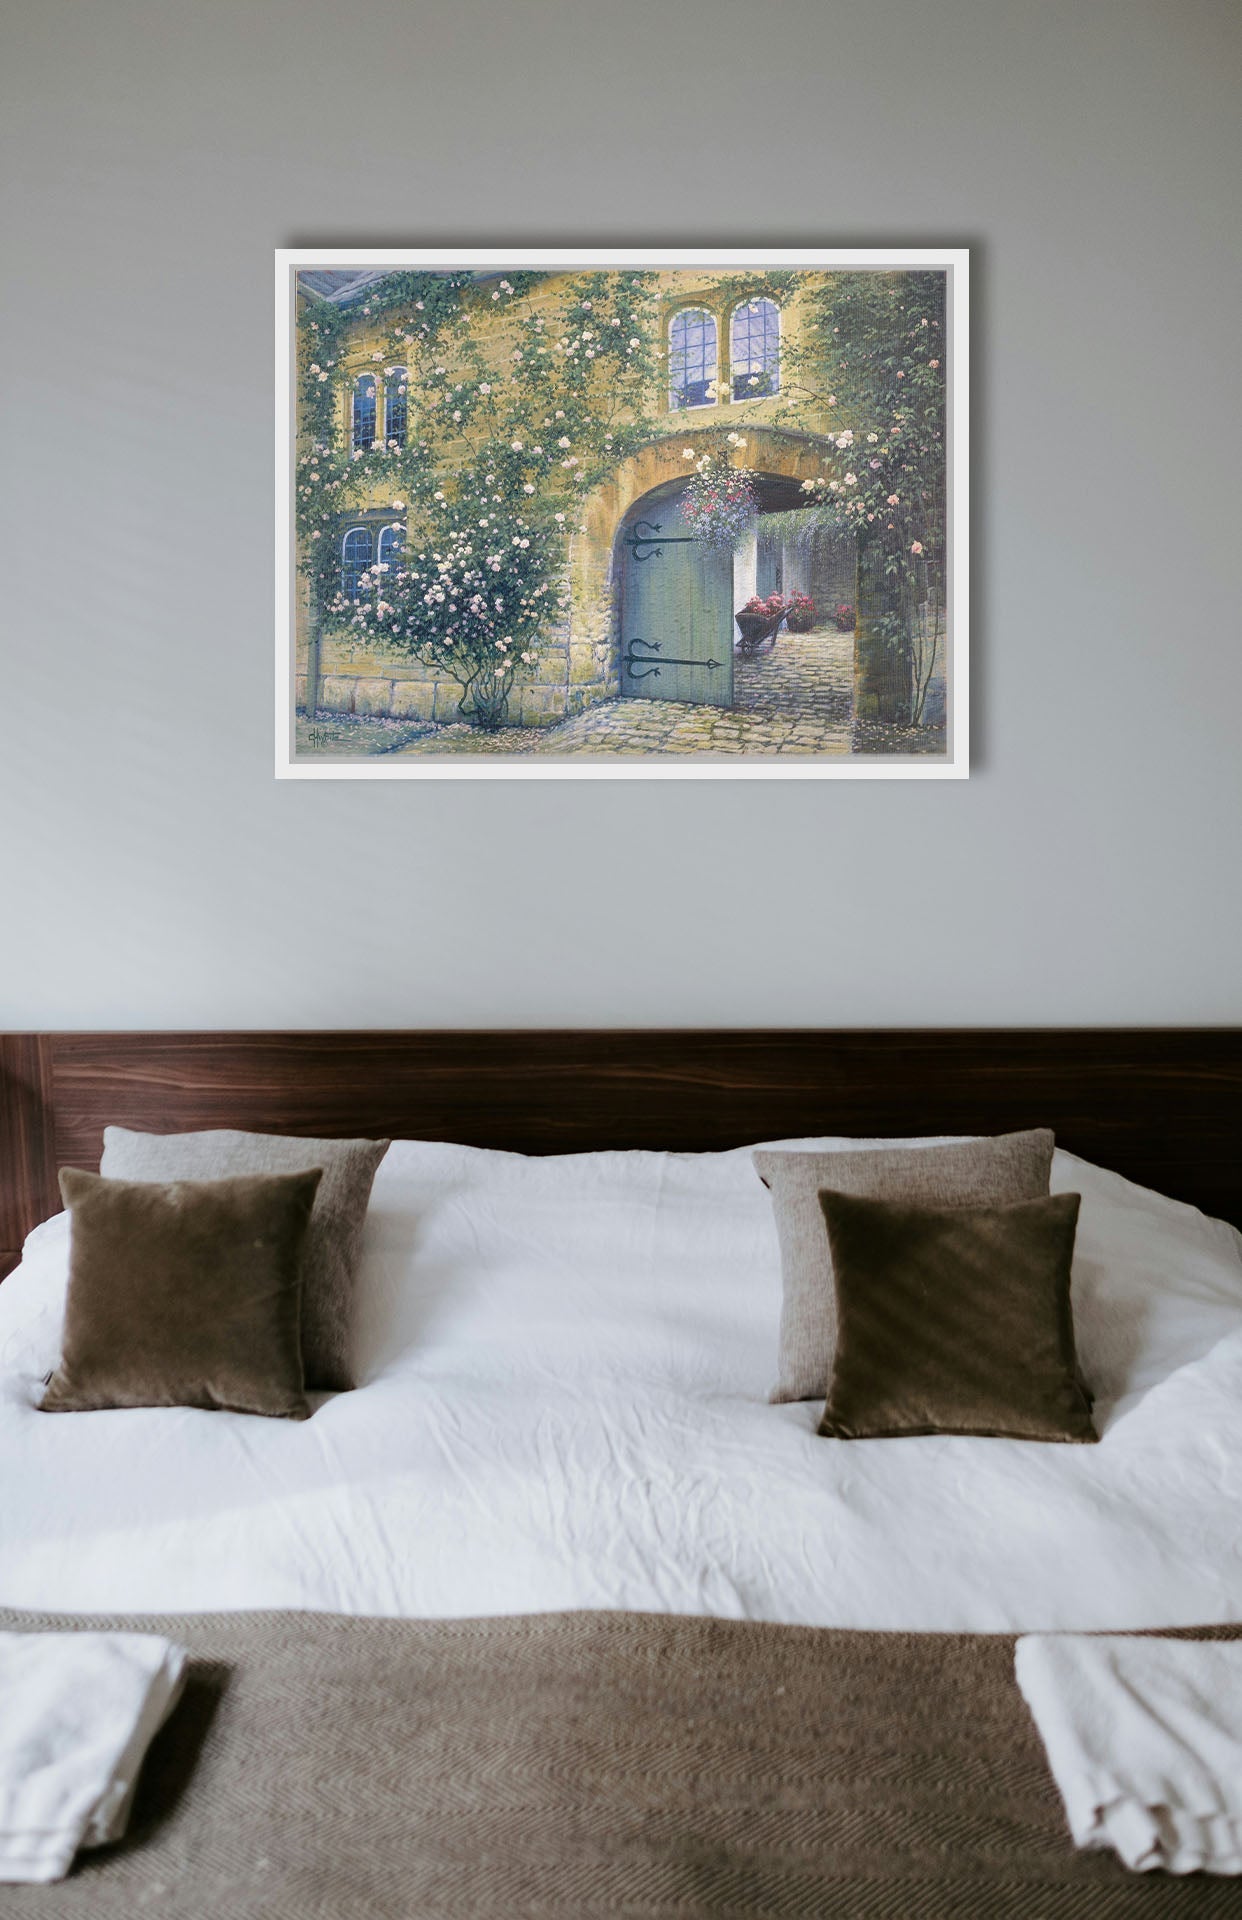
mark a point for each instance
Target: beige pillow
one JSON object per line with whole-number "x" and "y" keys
{"x": 185, "y": 1293}
{"x": 969, "y": 1173}
{"x": 333, "y": 1245}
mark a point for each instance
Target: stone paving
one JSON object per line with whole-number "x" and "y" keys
{"x": 796, "y": 700}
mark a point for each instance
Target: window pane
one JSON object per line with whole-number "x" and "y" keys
{"x": 389, "y": 546}
{"x": 396, "y": 412}
{"x": 691, "y": 358}
{"x": 355, "y": 560}
{"x": 364, "y": 410}
{"x": 755, "y": 349}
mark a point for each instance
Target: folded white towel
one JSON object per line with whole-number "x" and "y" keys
{"x": 77, "y": 1714}
{"x": 1144, "y": 1738}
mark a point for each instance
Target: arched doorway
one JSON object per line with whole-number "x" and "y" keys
{"x": 678, "y": 595}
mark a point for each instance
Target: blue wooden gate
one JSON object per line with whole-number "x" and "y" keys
{"x": 676, "y": 614}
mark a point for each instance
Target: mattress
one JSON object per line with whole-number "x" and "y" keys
{"x": 566, "y": 1365}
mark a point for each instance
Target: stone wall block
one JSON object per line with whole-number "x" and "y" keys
{"x": 413, "y": 699}
{"x": 372, "y": 696}
{"x": 336, "y": 693}
{"x": 445, "y": 696}
{"x": 583, "y": 665}
{"x": 542, "y": 706}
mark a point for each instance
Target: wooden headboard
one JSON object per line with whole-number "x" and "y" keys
{"x": 1163, "y": 1106}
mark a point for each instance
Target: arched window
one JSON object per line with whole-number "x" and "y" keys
{"x": 364, "y": 410}
{"x": 389, "y": 550}
{"x": 755, "y": 349}
{"x": 396, "y": 410}
{"x": 356, "y": 551}
{"x": 691, "y": 358}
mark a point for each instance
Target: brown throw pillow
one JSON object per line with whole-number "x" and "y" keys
{"x": 966, "y": 1173}
{"x": 954, "y": 1320}
{"x": 334, "y": 1244}
{"x": 184, "y": 1295}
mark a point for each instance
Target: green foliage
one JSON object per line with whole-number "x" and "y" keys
{"x": 328, "y": 481}
{"x": 874, "y": 359}
{"x": 517, "y": 407}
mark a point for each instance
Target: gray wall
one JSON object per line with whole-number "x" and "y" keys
{"x": 153, "y": 154}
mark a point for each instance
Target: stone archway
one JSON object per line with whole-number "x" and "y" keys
{"x": 775, "y": 452}
{"x": 593, "y": 663}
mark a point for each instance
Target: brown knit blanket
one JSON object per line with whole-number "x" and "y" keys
{"x": 581, "y": 1764}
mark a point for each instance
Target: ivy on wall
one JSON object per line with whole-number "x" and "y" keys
{"x": 521, "y": 406}
{"x": 872, "y": 355}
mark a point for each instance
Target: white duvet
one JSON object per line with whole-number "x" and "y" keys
{"x": 567, "y": 1367}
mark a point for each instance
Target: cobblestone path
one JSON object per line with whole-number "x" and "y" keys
{"x": 796, "y": 700}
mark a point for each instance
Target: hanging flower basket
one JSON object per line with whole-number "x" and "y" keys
{"x": 720, "y": 502}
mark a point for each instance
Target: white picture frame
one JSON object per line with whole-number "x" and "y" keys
{"x": 594, "y": 736}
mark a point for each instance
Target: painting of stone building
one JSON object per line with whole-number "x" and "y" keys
{"x": 623, "y": 516}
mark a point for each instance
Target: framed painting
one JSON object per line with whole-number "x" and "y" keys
{"x": 621, "y": 514}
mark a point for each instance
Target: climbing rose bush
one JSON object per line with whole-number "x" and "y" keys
{"x": 471, "y": 597}
{"x": 873, "y": 359}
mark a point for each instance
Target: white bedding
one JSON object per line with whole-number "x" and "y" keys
{"x": 568, "y": 1364}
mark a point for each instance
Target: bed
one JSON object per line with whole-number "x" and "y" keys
{"x": 568, "y": 1308}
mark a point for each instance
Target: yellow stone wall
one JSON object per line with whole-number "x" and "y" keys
{"x": 579, "y": 653}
